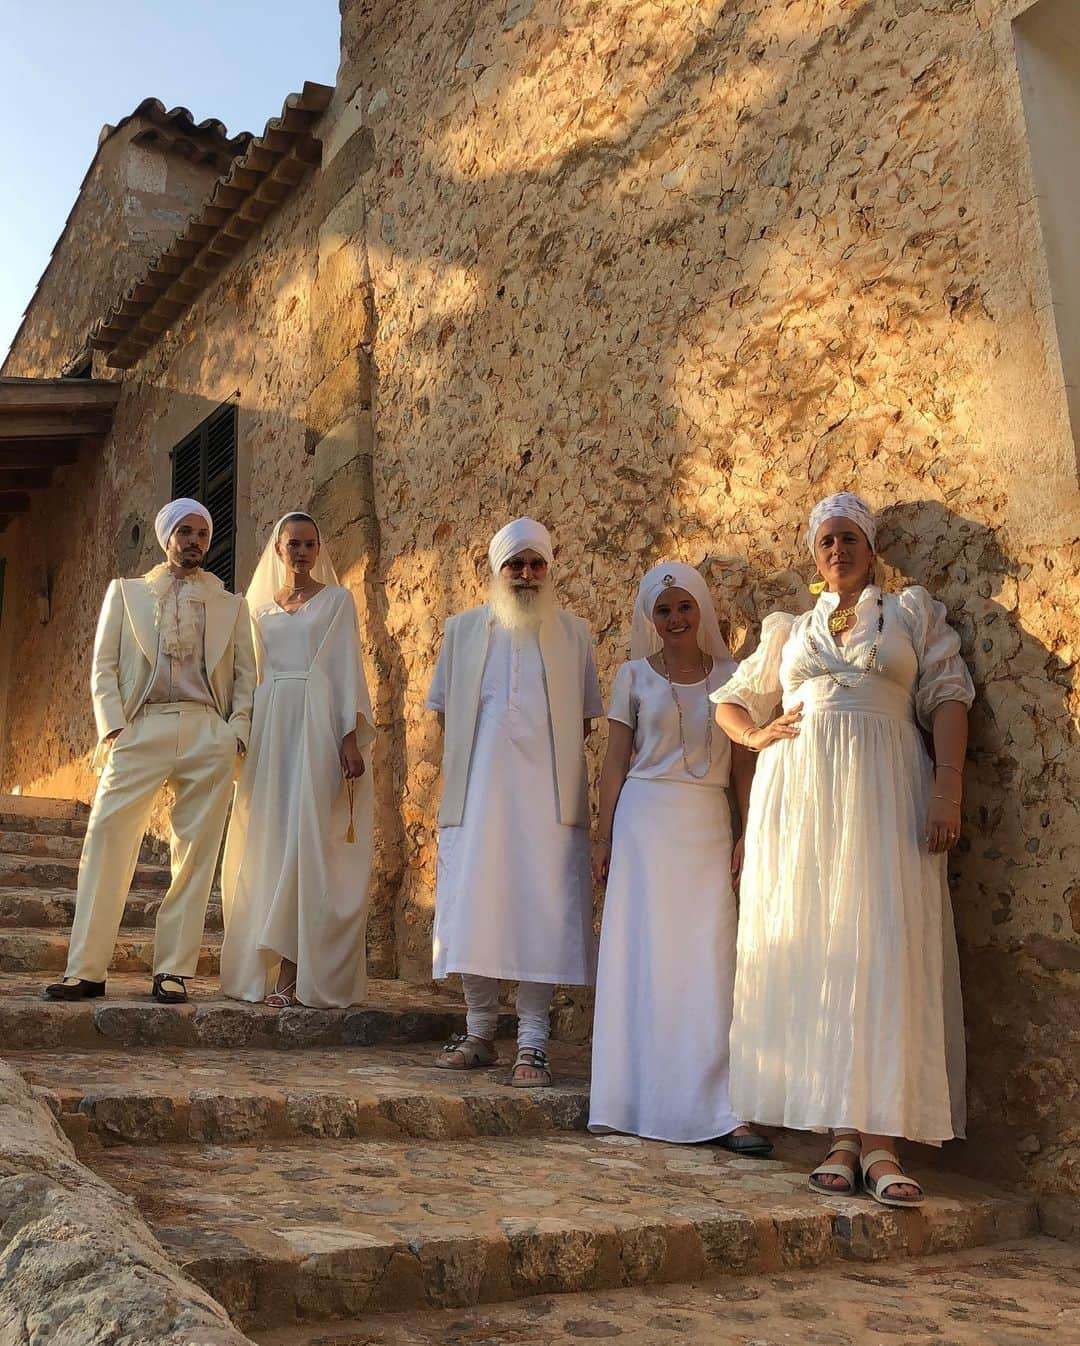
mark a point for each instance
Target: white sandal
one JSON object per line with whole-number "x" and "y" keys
{"x": 878, "y": 1187}
{"x": 844, "y": 1144}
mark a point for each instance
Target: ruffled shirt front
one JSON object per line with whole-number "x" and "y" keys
{"x": 918, "y": 652}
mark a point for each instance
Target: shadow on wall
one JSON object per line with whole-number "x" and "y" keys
{"x": 1017, "y": 859}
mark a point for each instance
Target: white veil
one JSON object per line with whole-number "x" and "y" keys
{"x": 644, "y": 639}
{"x": 269, "y": 576}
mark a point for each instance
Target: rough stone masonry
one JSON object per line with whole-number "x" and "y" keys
{"x": 659, "y": 273}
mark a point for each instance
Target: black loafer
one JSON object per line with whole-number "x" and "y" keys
{"x": 165, "y": 995}
{"x": 74, "y": 988}
{"x": 751, "y": 1143}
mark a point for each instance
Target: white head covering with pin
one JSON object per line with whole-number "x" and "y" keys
{"x": 644, "y": 638}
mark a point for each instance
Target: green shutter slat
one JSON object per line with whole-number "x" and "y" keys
{"x": 204, "y": 468}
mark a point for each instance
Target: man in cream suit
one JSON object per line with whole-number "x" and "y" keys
{"x": 516, "y": 690}
{"x": 172, "y": 685}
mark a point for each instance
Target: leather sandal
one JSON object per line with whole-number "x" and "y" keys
{"x": 845, "y": 1144}
{"x": 169, "y": 989}
{"x": 751, "y": 1143}
{"x": 74, "y": 988}
{"x": 879, "y": 1187}
{"x": 537, "y": 1060}
{"x": 463, "y": 1052}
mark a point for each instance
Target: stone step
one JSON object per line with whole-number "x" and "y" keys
{"x": 395, "y": 1011}
{"x": 61, "y": 827}
{"x": 66, "y": 847}
{"x": 51, "y": 907}
{"x": 334, "y": 1229}
{"x": 375, "y": 1093}
{"x": 41, "y": 806}
{"x": 1013, "y": 1294}
{"x": 32, "y": 950}
{"x": 35, "y": 871}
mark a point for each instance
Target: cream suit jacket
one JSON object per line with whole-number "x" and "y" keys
{"x": 125, "y": 655}
{"x": 565, "y": 645}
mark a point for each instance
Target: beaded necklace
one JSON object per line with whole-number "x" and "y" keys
{"x": 871, "y": 660}
{"x": 708, "y": 719}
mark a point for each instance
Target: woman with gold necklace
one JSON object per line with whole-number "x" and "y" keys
{"x": 664, "y": 848}
{"x": 847, "y": 999}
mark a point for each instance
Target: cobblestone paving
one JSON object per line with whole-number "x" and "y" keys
{"x": 1019, "y": 1294}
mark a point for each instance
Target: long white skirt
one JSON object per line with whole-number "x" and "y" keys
{"x": 667, "y": 967}
{"x": 847, "y": 994}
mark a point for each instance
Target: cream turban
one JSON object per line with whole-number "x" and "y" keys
{"x": 644, "y": 639}
{"x": 515, "y": 538}
{"x": 844, "y": 505}
{"x": 170, "y": 515}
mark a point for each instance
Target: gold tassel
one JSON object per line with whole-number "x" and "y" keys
{"x": 350, "y": 835}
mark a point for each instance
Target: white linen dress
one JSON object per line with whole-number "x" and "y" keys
{"x": 292, "y": 886}
{"x": 513, "y": 887}
{"x": 667, "y": 944}
{"x": 847, "y": 991}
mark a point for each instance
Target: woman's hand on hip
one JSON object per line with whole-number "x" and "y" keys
{"x": 788, "y": 725}
{"x": 942, "y": 824}
{"x": 352, "y": 761}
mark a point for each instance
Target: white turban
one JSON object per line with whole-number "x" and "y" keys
{"x": 644, "y": 639}
{"x": 169, "y": 516}
{"x": 515, "y": 538}
{"x": 844, "y": 505}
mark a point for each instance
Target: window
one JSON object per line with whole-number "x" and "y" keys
{"x": 1047, "y": 39}
{"x": 204, "y": 468}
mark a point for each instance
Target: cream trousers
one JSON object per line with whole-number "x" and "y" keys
{"x": 193, "y": 749}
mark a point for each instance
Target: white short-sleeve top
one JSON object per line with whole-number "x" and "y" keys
{"x": 642, "y": 699}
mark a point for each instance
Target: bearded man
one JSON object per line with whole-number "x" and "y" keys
{"x": 515, "y": 687}
{"x": 172, "y": 685}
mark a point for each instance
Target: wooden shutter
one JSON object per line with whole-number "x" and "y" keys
{"x": 204, "y": 468}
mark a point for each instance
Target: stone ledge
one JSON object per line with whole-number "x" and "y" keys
{"x": 76, "y": 1262}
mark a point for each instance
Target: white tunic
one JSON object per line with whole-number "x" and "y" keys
{"x": 847, "y": 993}
{"x": 292, "y": 886}
{"x": 513, "y": 890}
{"x": 667, "y": 945}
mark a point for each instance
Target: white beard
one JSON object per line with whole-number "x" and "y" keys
{"x": 520, "y": 609}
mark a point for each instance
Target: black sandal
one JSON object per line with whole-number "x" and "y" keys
{"x": 168, "y": 997}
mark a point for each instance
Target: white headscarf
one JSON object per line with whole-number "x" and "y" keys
{"x": 843, "y": 505}
{"x": 644, "y": 638}
{"x": 269, "y": 576}
{"x": 515, "y": 538}
{"x": 169, "y": 516}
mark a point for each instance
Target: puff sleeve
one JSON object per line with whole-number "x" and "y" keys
{"x": 943, "y": 675}
{"x": 755, "y": 684}
{"x": 623, "y": 703}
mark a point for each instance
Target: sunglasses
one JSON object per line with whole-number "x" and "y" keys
{"x": 517, "y": 565}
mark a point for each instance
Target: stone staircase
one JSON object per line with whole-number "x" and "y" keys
{"x": 315, "y": 1174}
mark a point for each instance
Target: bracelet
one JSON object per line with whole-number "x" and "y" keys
{"x": 745, "y": 735}
{"x": 944, "y": 766}
{"x": 947, "y": 800}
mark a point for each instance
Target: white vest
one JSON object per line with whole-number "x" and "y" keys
{"x": 564, "y": 648}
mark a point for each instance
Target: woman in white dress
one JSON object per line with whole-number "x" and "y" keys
{"x": 298, "y": 856}
{"x": 847, "y": 996}
{"x": 664, "y": 846}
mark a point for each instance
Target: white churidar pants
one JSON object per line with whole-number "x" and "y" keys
{"x": 192, "y": 748}
{"x": 482, "y": 1009}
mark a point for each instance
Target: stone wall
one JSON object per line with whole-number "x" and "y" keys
{"x": 134, "y": 199}
{"x": 661, "y": 274}
{"x": 77, "y": 1263}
